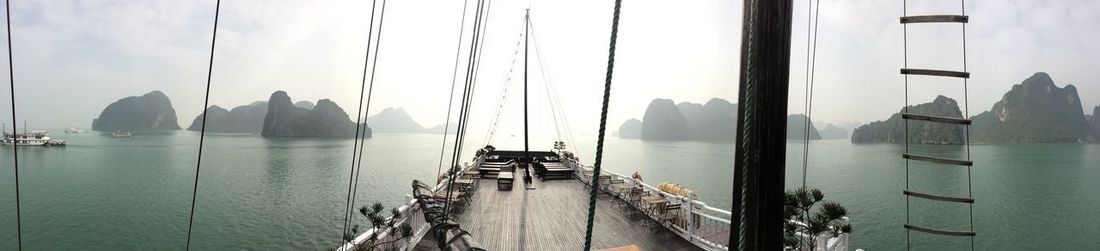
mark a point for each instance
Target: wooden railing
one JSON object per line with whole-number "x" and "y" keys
{"x": 411, "y": 214}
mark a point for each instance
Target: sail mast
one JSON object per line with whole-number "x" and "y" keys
{"x": 526, "y": 40}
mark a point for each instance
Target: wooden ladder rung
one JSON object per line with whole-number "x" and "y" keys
{"x": 938, "y": 119}
{"x": 939, "y": 197}
{"x": 940, "y": 73}
{"x": 937, "y": 160}
{"x": 941, "y": 231}
{"x": 935, "y": 19}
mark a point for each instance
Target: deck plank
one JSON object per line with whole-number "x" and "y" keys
{"x": 555, "y": 219}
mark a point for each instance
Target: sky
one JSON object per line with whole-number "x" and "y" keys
{"x": 72, "y": 58}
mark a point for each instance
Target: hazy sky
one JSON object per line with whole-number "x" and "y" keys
{"x": 72, "y": 58}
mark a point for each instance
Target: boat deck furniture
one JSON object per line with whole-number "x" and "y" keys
{"x": 553, "y": 218}
{"x": 622, "y": 190}
{"x": 670, "y": 214}
{"x": 505, "y": 180}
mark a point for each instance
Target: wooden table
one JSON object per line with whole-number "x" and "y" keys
{"x": 505, "y": 180}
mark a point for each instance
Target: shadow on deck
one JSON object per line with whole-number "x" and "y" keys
{"x": 553, "y": 217}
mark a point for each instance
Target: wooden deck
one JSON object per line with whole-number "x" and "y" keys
{"x": 553, "y": 217}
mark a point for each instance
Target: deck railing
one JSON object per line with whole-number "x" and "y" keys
{"x": 411, "y": 213}
{"x": 703, "y": 225}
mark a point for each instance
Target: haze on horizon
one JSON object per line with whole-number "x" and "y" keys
{"x": 72, "y": 58}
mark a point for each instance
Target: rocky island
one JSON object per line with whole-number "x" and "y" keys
{"x": 892, "y": 130}
{"x": 395, "y": 120}
{"x": 326, "y": 119}
{"x": 242, "y": 119}
{"x": 1034, "y": 111}
{"x": 152, "y": 111}
{"x": 715, "y": 121}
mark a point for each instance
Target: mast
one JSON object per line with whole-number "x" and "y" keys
{"x": 758, "y": 183}
{"x": 526, "y": 148}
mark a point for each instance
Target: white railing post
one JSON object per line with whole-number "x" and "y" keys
{"x": 691, "y": 217}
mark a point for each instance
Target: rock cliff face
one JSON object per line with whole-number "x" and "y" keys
{"x": 152, "y": 111}
{"x": 631, "y": 129}
{"x": 1034, "y": 111}
{"x": 921, "y": 132}
{"x": 326, "y": 119}
{"x": 796, "y": 128}
{"x": 1095, "y": 121}
{"x": 717, "y": 121}
{"x": 663, "y": 121}
{"x": 242, "y": 119}
{"x": 394, "y": 120}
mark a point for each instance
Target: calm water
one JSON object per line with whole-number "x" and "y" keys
{"x": 288, "y": 194}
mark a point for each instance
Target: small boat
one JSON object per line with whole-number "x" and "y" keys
{"x": 120, "y": 134}
{"x": 74, "y": 130}
{"x": 33, "y": 138}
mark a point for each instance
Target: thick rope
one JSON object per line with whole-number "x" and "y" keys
{"x": 14, "y": 129}
{"x": 603, "y": 127}
{"x": 451, "y": 96}
{"x": 202, "y": 129}
{"x": 359, "y": 128}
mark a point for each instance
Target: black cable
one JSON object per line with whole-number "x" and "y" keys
{"x": 966, "y": 108}
{"x": 462, "y": 115}
{"x": 905, "y": 109}
{"x": 359, "y": 127}
{"x": 603, "y": 127}
{"x": 202, "y": 129}
{"x": 370, "y": 91}
{"x": 450, "y": 97}
{"x": 14, "y": 129}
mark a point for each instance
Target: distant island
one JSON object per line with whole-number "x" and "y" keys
{"x": 150, "y": 112}
{"x": 715, "y": 121}
{"x": 242, "y": 119}
{"x": 1034, "y": 111}
{"x": 831, "y": 131}
{"x": 892, "y": 130}
{"x": 394, "y": 120}
{"x": 325, "y": 119}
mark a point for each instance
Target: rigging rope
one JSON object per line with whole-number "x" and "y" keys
{"x": 14, "y": 129}
{"x": 966, "y": 108}
{"x": 552, "y": 88}
{"x": 811, "y": 67}
{"x": 202, "y": 128}
{"x": 603, "y": 127}
{"x": 466, "y": 96}
{"x": 503, "y": 93}
{"x": 905, "y": 109}
{"x": 450, "y": 97}
{"x": 370, "y": 90}
{"x": 360, "y": 130}
{"x": 546, "y": 85}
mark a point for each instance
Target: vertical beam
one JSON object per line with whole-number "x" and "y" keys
{"x": 761, "y": 126}
{"x": 526, "y": 148}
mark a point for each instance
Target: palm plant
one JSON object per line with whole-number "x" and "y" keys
{"x": 802, "y": 229}
{"x": 383, "y": 226}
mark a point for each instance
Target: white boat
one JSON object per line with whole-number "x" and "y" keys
{"x": 33, "y": 138}
{"x": 120, "y": 134}
{"x": 75, "y": 131}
